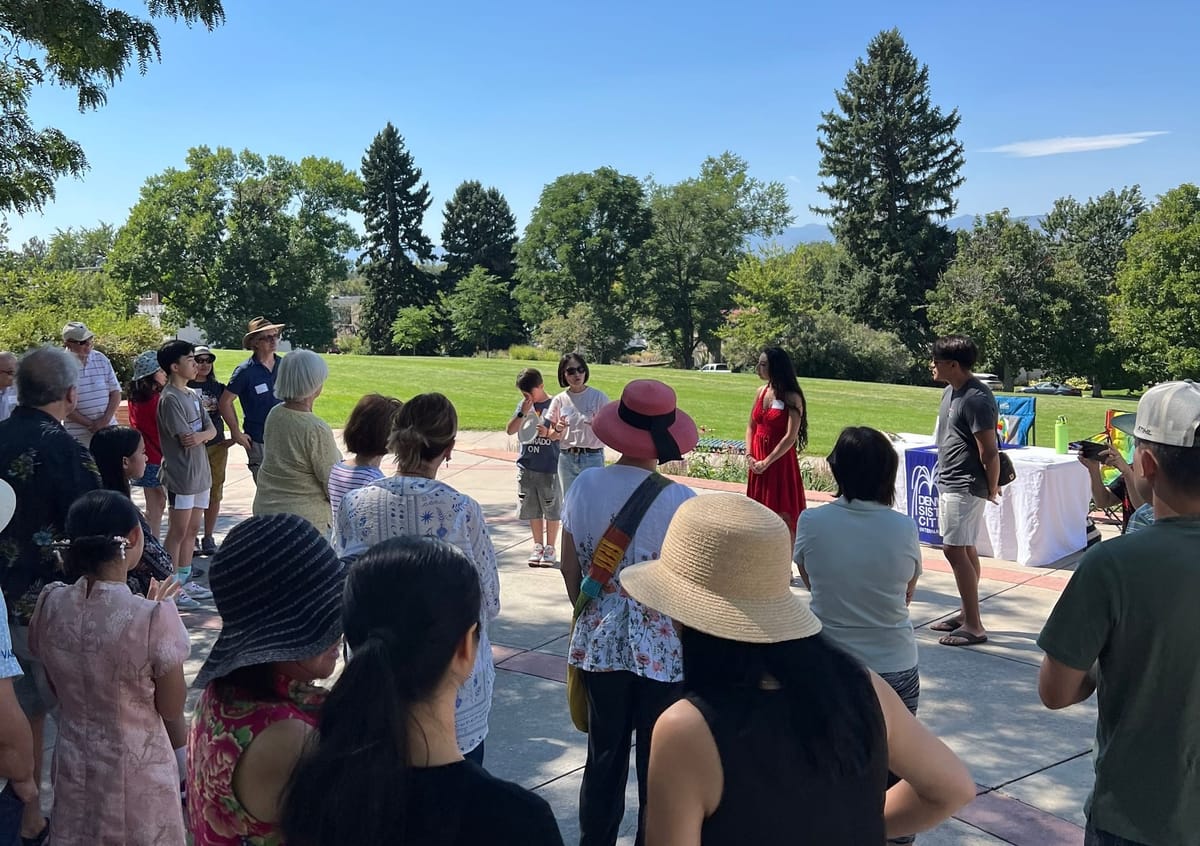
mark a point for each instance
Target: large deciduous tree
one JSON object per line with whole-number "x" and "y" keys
{"x": 480, "y": 309}
{"x": 1002, "y": 291}
{"x": 891, "y": 164}
{"x": 701, "y": 229}
{"x": 1088, "y": 240}
{"x": 234, "y": 236}
{"x": 395, "y": 201}
{"x": 78, "y": 44}
{"x": 580, "y": 247}
{"x": 1157, "y": 305}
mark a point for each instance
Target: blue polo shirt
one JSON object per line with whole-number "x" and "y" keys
{"x": 255, "y": 387}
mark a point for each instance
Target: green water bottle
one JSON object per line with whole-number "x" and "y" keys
{"x": 1061, "y": 437}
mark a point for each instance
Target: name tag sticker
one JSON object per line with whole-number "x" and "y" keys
{"x": 260, "y": 389}
{"x": 777, "y": 405}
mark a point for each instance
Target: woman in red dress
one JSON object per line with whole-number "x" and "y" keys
{"x": 778, "y": 427}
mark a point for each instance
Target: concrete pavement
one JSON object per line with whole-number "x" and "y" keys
{"x": 1032, "y": 766}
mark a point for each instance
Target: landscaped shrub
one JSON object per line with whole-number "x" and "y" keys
{"x": 118, "y": 337}
{"x": 524, "y": 352}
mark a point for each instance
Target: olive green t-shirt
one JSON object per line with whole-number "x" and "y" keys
{"x": 1131, "y": 606}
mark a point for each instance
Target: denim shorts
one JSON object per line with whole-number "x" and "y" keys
{"x": 149, "y": 478}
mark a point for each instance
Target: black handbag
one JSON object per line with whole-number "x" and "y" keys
{"x": 1007, "y": 471}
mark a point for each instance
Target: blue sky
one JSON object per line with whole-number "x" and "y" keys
{"x": 517, "y": 94}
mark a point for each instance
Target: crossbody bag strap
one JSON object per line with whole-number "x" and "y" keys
{"x": 611, "y": 548}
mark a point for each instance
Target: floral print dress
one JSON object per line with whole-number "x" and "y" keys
{"x": 222, "y": 729}
{"x": 115, "y": 779}
{"x": 615, "y": 631}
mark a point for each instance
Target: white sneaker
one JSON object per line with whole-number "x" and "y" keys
{"x": 197, "y": 591}
{"x": 548, "y": 558}
{"x": 182, "y": 600}
{"x": 535, "y": 557}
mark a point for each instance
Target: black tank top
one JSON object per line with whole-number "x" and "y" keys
{"x": 772, "y": 795}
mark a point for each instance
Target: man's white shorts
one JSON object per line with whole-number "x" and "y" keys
{"x": 182, "y": 502}
{"x": 960, "y": 517}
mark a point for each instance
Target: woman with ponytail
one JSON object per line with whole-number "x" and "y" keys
{"x": 259, "y": 703}
{"x": 414, "y": 502}
{"x": 386, "y": 766}
{"x": 116, "y": 662}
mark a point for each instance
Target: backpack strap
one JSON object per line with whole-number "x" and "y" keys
{"x": 617, "y": 537}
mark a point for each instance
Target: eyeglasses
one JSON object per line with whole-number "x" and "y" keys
{"x": 205, "y": 360}
{"x": 572, "y": 371}
{"x": 274, "y": 337}
{"x": 85, "y": 343}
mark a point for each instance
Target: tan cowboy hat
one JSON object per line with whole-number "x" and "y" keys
{"x": 725, "y": 570}
{"x": 258, "y": 324}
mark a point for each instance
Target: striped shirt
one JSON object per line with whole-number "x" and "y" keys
{"x": 96, "y": 381}
{"x": 345, "y": 477}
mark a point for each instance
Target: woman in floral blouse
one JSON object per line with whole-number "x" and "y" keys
{"x": 629, "y": 654}
{"x": 259, "y": 704}
{"x": 414, "y": 502}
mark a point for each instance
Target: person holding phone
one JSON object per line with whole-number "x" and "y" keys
{"x": 1137, "y": 511}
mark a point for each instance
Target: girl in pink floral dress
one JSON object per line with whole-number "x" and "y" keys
{"x": 116, "y": 662}
{"x": 259, "y": 705}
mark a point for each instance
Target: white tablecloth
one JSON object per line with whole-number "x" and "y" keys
{"x": 1042, "y": 514}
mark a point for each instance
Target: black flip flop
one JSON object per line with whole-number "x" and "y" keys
{"x": 966, "y": 638}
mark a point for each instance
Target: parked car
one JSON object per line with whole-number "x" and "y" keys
{"x": 991, "y": 380}
{"x": 717, "y": 367}
{"x": 1055, "y": 388}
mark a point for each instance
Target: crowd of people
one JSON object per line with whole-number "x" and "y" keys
{"x": 751, "y": 713}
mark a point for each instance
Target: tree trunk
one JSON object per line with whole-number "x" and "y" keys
{"x": 1008, "y": 377}
{"x": 1097, "y": 390}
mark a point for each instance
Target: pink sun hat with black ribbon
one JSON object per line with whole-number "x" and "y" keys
{"x": 645, "y": 423}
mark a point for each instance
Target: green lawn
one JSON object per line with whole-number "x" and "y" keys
{"x": 484, "y": 394}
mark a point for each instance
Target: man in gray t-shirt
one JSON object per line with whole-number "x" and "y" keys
{"x": 968, "y": 476}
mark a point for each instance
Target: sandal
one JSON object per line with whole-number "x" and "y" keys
{"x": 961, "y": 638}
{"x": 38, "y": 839}
{"x": 949, "y": 625}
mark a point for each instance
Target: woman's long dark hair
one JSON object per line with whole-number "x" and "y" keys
{"x": 140, "y": 390}
{"x": 781, "y": 376}
{"x": 408, "y": 602}
{"x": 834, "y": 710}
{"x": 110, "y": 447}
{"x": 94, "y": 523}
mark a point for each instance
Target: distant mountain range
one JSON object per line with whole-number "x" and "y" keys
{"x": 811, "y": 232}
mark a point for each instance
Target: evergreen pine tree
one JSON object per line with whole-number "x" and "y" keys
{"x": 393, "y": 210}
{"x": 892, "y": 163}
{"x": 479, "y": 231}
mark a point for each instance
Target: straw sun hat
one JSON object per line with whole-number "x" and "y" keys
{"x": 725, "y": 570}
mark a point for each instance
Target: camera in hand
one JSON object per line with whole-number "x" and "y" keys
{"x": 1089, "y": 449}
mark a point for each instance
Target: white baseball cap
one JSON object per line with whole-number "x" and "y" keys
{"x": 1167, "y": 414}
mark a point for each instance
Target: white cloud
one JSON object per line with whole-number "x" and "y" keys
{"x": 1072, "y": 144}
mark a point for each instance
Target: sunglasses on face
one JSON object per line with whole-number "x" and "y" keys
{"x": 268, "y": 337}
{"x": 572, "y": 371}
{"x": 205, "y": 360}
{"x": 86, "y": 343}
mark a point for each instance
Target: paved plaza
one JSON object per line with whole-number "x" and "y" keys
{"x": 1032, "y": 766}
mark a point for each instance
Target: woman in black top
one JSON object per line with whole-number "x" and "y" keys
{"x": 386, "y": 767}
{"x": 781, "y": 737}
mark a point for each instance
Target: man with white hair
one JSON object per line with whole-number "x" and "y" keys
{"x": 8, "y": 391}
{"x": 99, "y": 392}
{"x": 48, "y": 470}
